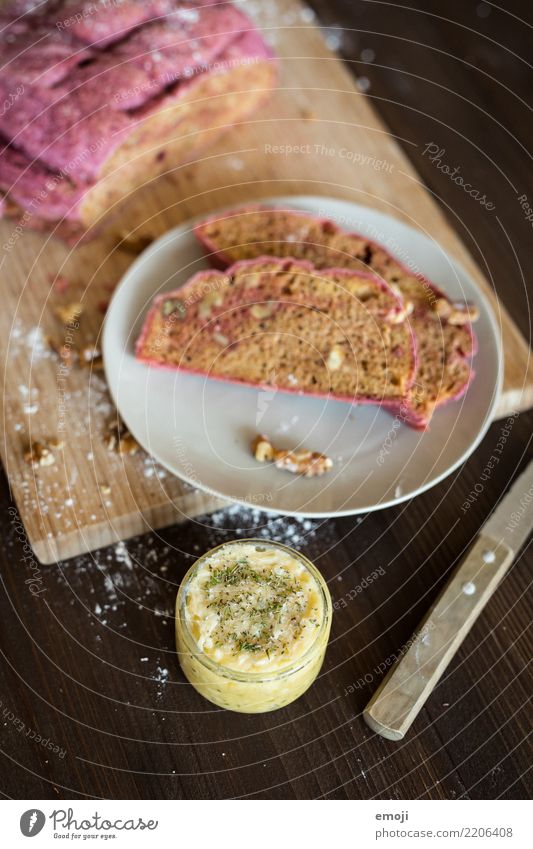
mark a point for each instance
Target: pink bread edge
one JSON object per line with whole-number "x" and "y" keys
{"x": 408, "y": 414}
{"x": 248, "y": 45}
{"x": 285, "y": 264}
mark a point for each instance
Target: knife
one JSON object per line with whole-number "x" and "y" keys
{"x": 403, "y": 692}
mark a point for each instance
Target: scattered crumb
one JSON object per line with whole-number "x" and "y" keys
{"x": 333, "y": 39}
{"x": 120, "y": 441}
{"x": 64, "y": 352}
{"x": 36, "y": 343}
{"x": 91, "y": 356}
{"x": 122, "y": 555}
{"x": 246, "y": 521}
{"x": 285, "y": 426}
{"x": 68, "y": 313}
{"x": 30, "y": 409}
{"x": 367, "y": 55}
{"x": 42, "y": 453}
{"x": 161, "y": 678}
{"x": 307, "y": 15}
{"x": 133, "y": 244}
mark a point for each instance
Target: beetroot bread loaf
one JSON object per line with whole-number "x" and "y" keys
{"x": 282, "y": 324}
{"x": 444, "y": 336}
{"x": 101, "y": 97}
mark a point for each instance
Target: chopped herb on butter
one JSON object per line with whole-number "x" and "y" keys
{"x": 257, "y": 609}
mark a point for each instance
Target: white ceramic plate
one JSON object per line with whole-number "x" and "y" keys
{"x": 201, "y": 429}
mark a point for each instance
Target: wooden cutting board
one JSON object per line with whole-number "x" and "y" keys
{"x": 332, "y": 143}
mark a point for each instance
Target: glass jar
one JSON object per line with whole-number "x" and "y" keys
{"x": 262, "y": 690}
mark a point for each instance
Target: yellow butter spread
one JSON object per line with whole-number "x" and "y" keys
{"x": 252, "y": 625}
{"x": 253, "y": 608}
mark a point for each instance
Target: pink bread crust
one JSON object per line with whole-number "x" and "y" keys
{"x": 22, "y": 175}
{"x": 285, "y": 264}
{"x": 220, "y": 259}
{"x": 56, "y": 125}
{"x": 358, "y": 399}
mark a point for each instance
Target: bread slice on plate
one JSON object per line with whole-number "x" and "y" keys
{"x": 285, "y": 325}
{"x": 444, "y": 336}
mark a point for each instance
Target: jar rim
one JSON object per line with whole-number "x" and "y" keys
{"x": 235, "y": 674}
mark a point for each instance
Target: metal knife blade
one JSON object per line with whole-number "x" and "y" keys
{"x": 512, "y": 520}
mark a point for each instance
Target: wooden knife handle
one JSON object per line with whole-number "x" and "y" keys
{"x": 401, "y": 695}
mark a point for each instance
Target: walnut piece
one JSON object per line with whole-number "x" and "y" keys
{"x": 310, "y": 464}
{"x": 42, "y": 453}
{"x": 68, "y": 313}
{"x": 457, "y": 313}
{"x": 209, "y": 302}
{"x": 335, "y": 358}
{"x": 173, "y": 307}
{"x": 262, "y": 449}
{"x": 252, "y": 281}
{"x": 263, "y": 310}
{"x": 120, "y": 441}
{"x": 132, "y": 244}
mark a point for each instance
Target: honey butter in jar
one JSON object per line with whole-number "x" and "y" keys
{"x": 252, "y": 625}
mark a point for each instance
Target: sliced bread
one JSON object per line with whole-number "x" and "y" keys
{"x": 282, "y": 324}
{"x": 445, "y": 340}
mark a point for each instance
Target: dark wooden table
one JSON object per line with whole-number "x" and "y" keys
{"x": 93, "y": 700}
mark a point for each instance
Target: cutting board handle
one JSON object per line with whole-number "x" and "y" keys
{"x": 400, "y": 697}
